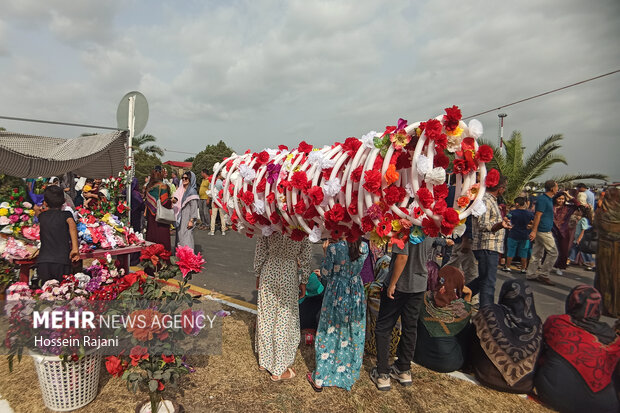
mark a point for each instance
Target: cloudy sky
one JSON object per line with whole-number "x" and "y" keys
{"x": 264, "y": 72}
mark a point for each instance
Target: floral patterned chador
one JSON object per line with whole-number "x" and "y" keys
{"x": 280, "y": 262}
{"x": 340, "y": 337}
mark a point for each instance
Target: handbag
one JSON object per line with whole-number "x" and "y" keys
{"x": 589, "y": 241}
{"x": 164, "y": 215}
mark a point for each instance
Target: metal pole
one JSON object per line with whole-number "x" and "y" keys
{"x": 501, "y": 128}
{"x": 131, "y": 121}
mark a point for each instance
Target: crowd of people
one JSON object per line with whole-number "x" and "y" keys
{"x": 429, "y": 317}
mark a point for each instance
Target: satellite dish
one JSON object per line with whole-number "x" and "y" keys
{"x": 141, "y": 112}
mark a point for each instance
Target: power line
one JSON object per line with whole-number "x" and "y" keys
{"x": 543, "y": 94}
{"x": 187, "y": 153}
{"x": 60, "y": 123}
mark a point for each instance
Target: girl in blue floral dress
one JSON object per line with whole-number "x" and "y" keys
{"x": 340, "y": 337}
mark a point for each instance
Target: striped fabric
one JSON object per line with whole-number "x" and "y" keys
{"x": 96, "y": 156}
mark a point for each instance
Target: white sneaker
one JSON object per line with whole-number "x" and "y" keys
{"x": 223, "y": 232}
{"x": 211, "y": 233}
{"x": 558, "y": 271}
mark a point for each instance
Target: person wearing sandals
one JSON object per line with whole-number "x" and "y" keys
{"x": 282, "y": 267}
{"x": 339, "y": 345}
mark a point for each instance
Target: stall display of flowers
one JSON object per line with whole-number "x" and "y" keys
{"x": 18, "y": 231}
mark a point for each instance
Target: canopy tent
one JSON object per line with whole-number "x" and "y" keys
{"x": 177, "y": 164}
{"x": 94, "y": 156}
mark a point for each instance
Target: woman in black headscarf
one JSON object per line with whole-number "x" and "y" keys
{"x": 509, "y": 340}
{"x": 580, "y": 355}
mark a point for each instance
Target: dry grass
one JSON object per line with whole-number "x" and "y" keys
{"x": 232, "y": 383}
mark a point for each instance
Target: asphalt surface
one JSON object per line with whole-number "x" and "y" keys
{"x": 229, "y": 263}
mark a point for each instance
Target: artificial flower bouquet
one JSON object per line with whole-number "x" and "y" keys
{"x": 107, "y": 231}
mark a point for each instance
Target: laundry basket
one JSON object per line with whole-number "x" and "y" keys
{"x": 69, "y": 386}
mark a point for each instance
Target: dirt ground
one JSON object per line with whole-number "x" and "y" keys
{"x": 232, "y": 383}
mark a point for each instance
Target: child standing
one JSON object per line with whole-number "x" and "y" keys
{"x": 519, "y": 235}
{"x": 59, "y": 240}
{"x": 581, "y": 215}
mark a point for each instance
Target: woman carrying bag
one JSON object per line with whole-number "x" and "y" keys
{"x": 185, "y": 201}
{"x": 159, "y": 215}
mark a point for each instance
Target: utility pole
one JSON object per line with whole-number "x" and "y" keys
{"x": 501, "y": 128}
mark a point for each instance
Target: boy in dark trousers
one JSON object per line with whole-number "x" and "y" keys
{"x": 59, "y": 239}
{"x": 402, "y": 296}
{"x": 518, "y": 243}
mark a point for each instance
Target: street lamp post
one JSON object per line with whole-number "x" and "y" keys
{"x": 501, "y": 128}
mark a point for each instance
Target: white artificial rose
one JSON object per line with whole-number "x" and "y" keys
{"x": 436, "y": 176}
{"x": 424, "y": 165}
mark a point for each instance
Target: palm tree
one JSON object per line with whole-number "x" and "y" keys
{"x": 141, "y": 140}
{"x": 522, "y": 170}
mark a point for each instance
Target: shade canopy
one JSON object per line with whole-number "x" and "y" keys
{"x": 177, "y": 164}
{"x": 94, "y": 156}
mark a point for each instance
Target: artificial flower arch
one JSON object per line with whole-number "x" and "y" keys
{"x": 388, "y": 185}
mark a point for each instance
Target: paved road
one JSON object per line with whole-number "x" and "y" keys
{"x": 229, "y": 271}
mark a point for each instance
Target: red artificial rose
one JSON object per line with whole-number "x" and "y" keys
{"x": 429, "y": 227}
{"x": 188, "y": 261}
{"x": 441, "y": 160}
{"x": 356, "y": 175}
{"x": 249, "y": 216}
{"x": 351, "y": 145}
{"x": 463, "y": 201}
{"x": 248, "y": 198}
{"x": 432, "y": 128}
{"x": 160, "y": 386}
{"x": 300, "y": 207}
{"x": 304, "y": 147}
{"x": 154, "y": 253}
{"x": 115, "y": 366}
{"x": 372, "y": 182}
{"x": 485, "y": 153}
{"x": 316, "y": 195}
{"x": 298, "y": 235}
{"x": 262, "y": 158}
{"x": 336, "y": 213}
{"x": 367, "y": 224}
{"x": 394, "y": 194}
{"x": 300, "y": 180}
{"x": 354, "y": 233}
{"x": 327, "y": 173}
{"x": 352, "y": 209}
{"x": 441, "y": 191}
{"x": 283, "y": 186}
{"x": 425, "y": 197}
{"x": 460, "y": 167}
{"x": 450, "y": 217}
{"x": 283, "y": 147}
{"x": 274, "y": 218}
{"x": 168, "y": 359}
{"x": 378, "y": 165}
{"x": 261, "y": 185}
{"x": 137, "y": 354}
{"x": 441, "y": 142}
{"x": 492, "y": 178}
{"x": 271, "y": 198}
{"x": 451, "y": 118}
{"x": 439, "y": 207}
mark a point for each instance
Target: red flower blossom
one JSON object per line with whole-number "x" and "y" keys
{"x": 425, "y": 197}
{"x": 439, "y": 207}
{"x": 262, "y": 158}
{"x": 300, "y": 207}
{"x": 262, "y": 220}
{"x": 352, "y": 209}
{"x": 429, "y": 227}
{"x": 283, "y": 186}
{"x": 441, "y": 191}
{"x": 300, "y": 180}
{"x": 155, "y": 253}
{"x": 432, "y": 128}
{"x": 304, "y": 147}
{"x": 367, "y": 224}
{"x": 384, "y": 227}
{"x": 404, "y": 160}
{"x": 283, "y": 147}
{"x": 316, "y": 195}
{"x": 336, "y": 213}
{"x": 298, "y": 235}
{"x": 417, "y": 212}
{"x": 485, "y": 153}
{"x": 356, "y": 175}
{"x": 441, "y": 160}
{"x": 271, "y": 198}
{"x": 372, "y": 182}
{"x": 115, "y": 366}
{"x": 188, "y": 261}
{"x": 351, "y": 145}
{"x": 450, "y": 217}
{"x": 451, "y": 118}
{"x": 441, "y": 142}
{"x": 160, "y": 386}
{"x": 250, "y": 217}
{"x": 492, "y": 178}
{"x": 394, "y": 194}
{"x": 137, "y": 354}
{"x": 274, "y": 217}
{"x": 168, "y": 359}
{"x": 327, "y": 173}
{"x": 248, "y": 198}
{"x": 460, "y": 167}
{"x": 336, "y": 231}
{"x": 378, "y": 165}
{"x": 261, "y": 185}
{"x": 310, "y": 213}
{"x": 463, "y": 201}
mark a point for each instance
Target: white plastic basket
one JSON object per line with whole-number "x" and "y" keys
{"x": 71, "y": 386}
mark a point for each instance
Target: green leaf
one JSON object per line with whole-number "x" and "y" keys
{"x": 153, "y": 385}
